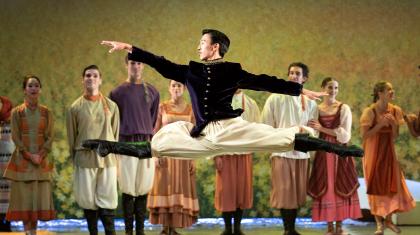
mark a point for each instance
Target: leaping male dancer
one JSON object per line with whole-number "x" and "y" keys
{"x": 219, "y": 128}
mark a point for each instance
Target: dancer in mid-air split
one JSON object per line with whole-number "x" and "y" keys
{"x": 219, "y": 128}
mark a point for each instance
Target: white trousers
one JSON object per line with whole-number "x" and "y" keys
{"x": 227, "y": 136}
{"x": 96, "y": 187}
{"x": 135, "y": 175}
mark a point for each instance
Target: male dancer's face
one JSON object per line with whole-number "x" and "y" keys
{"x": 207, "y": 50}
{"x": 296, "y": 75}
{"x": 134, "y": 69}
{"x": 92, "y": 80}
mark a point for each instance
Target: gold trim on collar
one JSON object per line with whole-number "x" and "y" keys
{"x": 211, "y": 62}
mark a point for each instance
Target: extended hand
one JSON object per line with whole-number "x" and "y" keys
{"x": 314, "y": 124}
{"x": 117, "y": 46}
{"x": 313, "y": 95}
{"x": 383, "y": 121}
{"x": 391, "y": 119}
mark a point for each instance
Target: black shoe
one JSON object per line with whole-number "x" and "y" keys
{"x": 128, "y": 213}
{"x": 226, "y": 232}
{"x": 92, "y": 221}
{"x": 305, "y": 143}
{"x": 107, "y": 218}
{"x": 238, "y": 232}
{"x": 140, "y": 203}
{"x": 237, "y": 217}
{"x": 104, "y": 147}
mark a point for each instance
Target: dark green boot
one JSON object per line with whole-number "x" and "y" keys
{"x": 135, "y": 149}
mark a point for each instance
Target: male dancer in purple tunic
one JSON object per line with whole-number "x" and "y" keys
{"x": 219, "y": 128}
{"x": 138, "y": 102}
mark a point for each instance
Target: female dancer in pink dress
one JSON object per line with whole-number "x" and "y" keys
{"x": 333, "y": 183}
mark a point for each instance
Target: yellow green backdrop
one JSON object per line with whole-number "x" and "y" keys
{"x": 359, "y": 42}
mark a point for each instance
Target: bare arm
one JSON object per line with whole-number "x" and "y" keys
{"x": 317, "y": 126}
{"x": 158, "y": 123}
{"x": 313, "y": 95}
{"x": 117, "y": 46}
{"x": 166, "y": 68}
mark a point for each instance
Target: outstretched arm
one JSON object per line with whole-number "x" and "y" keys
{"x": 163, "y": 66}
{"x": 263, "y": 82}
{"x": 313, "y": 95}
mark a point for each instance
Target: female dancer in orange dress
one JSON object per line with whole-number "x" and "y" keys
{"x": 30, "y": 169}
{"x": 173, "y": 199}
{"x": 386, "y": 187}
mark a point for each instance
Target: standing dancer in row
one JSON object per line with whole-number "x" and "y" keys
{"x": 334, "y": 194}
{"x": 138, "y": 103}
{"x": 30, "y": 169}
{"x": 95, "y": 178}
{"x": 385, "y": 181}
{"x": 289, "y": 170}
{"x": 173, "y": 199}
{"x": 219, "y": 128}
{"x": 233, "y": 192}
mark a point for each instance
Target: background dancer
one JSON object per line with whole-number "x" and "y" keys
{"x": 138, "y": 103}
{"x": 334, "y": 194}
{"x": 30, "y": 170}
{"x": 385, "y": 181}
{"x": 173, "y": 199}
{"x": 233, "y": 192}
{"x": 289, "y": 170}
{"x": 95, "y": 178}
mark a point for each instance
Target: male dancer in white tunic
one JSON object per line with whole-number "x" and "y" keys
{"x": 289, "y": 170}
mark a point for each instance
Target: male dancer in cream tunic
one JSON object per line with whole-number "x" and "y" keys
{"x": 94, "y": 116}
{"x": 289, "y": 170}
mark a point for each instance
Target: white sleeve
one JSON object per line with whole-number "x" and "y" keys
{"x": 255, "y": 111}
{"x": 314, "y": 113}
{"x": 343, "y": 131}
{"x": 268, "y": 112}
